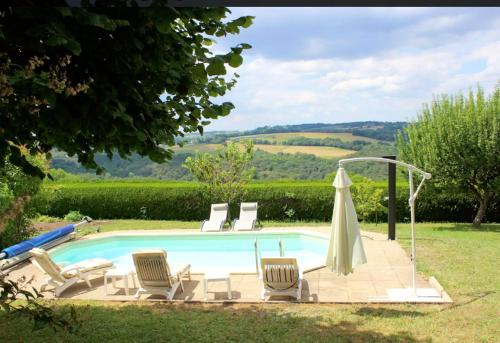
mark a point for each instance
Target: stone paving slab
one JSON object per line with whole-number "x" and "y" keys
{"x": 388, "y": 267}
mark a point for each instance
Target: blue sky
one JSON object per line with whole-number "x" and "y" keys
{"x": 335, "y": 65}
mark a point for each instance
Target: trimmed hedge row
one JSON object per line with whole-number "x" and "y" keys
{"x": 308, "y": 201}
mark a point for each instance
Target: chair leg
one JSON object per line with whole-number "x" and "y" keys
{"x": 61, "y": 288}
{"x": 229, "y": 295}
{"x": 138, "y": 293}
{"x": 171, "y": 293}
{"x": 86, "y": 278}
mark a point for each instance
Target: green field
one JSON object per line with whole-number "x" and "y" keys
{"x": 197, "y": 147}
{"x": 463, "y": 259}
{"x": 319, "y": 151}
{"x": 279, "y": 137}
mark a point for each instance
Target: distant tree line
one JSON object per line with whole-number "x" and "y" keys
{"x": 384, "y": 131}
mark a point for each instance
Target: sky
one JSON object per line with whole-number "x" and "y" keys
{"x": 334, "y": 65}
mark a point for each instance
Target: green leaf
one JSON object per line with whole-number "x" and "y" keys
{"x": 163, "y": 27}
{"x": 199, "y": 72}
{"x": 100, "y": 20}
{"x": 207, "y": 41}
{"x": 216, "y": 68}
{"x": 65, "y": 11}
{"x": 121, "y": 22}
{"x": 235, "y": 61}
{"x": 248, "y": 21}
{"x": 56, "y": 40}
{"x": 74, "y": 47}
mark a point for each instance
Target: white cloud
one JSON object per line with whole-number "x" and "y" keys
{"x": 383, "y": 86}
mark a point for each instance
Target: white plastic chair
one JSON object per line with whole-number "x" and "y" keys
{"x": 154, "y": 273}
{"x": 218, "y": 216}
{"x": 248, "y": 217}
{"x": 62, "y": 278}
{"x": 281, "y": 276}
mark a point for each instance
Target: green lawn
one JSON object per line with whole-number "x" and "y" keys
{"x": 463, "y": 259}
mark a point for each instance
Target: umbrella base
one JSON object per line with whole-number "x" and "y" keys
{"x": 424, "y": 295}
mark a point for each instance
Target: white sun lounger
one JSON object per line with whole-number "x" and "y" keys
{"x": 248, "y": 217}
{"x": 62, "y": 278}
{"x": 281, "y": 276}
{"x": 154, "y": 273}
{"x": 218, "y": 216}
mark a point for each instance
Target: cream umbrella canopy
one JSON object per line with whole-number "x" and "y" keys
{"x": 345, "y": 249}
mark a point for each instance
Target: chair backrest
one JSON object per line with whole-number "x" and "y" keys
{"x": 280, "y": 273}
{"x": 45, "y": 263}
{"x": 248, "y": 211}
{"x": 152, "y": 268}
{"x": 218, "y": 212}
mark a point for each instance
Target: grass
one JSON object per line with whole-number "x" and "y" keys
{"x": 320, "y": 151}
{"x": 464, "y": 260}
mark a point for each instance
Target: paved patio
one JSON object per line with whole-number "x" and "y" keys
{"x": 388, "y": 267}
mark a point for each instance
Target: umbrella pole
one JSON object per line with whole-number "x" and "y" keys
{"x": 413, "y": 238}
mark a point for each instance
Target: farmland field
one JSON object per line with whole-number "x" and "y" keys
{"x": 320, "y": 151}
{"x": 279, "y": 137}
{"x": 197, "y": 147}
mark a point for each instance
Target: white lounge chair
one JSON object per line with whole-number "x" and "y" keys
{"x": 281, "y": 276}
{"x": 154, "y": 273}
{"x": 248, "y": 217}
{"x": 62, "y": 278}
{"x": 218, "y": 216}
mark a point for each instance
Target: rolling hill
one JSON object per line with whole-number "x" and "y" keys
{"x": 296, "y": 153}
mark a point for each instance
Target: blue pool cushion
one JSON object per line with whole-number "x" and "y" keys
{"x": 38, "y": 241}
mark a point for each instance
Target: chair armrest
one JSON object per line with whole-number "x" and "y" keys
{"x": 76, "y": 268}
{"x": 254, "y": 222}
{"x": 233, "y": 224}
{"x": 222, "y": 225}
{"x": 184, "y": 270}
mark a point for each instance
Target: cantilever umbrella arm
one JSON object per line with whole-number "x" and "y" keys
{"x": 411, "y": 200}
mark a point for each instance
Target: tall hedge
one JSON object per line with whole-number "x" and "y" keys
{"x": 308, "y": 201}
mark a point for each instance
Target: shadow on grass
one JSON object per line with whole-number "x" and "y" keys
{"x": 474, "y": 296}
{"x": 470, "y": 228}
{"x": 386, "y": 312}
{"x": 208, "y": 323}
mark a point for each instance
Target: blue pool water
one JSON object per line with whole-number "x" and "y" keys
{"x": 232, "y": 252}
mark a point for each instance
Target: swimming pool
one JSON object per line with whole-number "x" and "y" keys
{"x": 228, "y": 251}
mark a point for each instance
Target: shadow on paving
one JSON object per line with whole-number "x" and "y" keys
{"x": 209, "y": 323}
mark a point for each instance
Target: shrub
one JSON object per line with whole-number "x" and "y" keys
{"x": 278, "y": 200}
{"x": 73, "y": 216}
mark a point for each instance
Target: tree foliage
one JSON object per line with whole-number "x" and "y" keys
{"x": 16, "y": 299}
{"x": 457, "y": 139}
{"x": 16, "y": 190}
{"x": 225, "y": 173}
{"x": 110, "y": 79}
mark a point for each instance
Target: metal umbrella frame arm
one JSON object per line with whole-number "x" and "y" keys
{"x": 411, "y": 201}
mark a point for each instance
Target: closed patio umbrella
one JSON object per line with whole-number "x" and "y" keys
{"x": 345, "y": 249}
